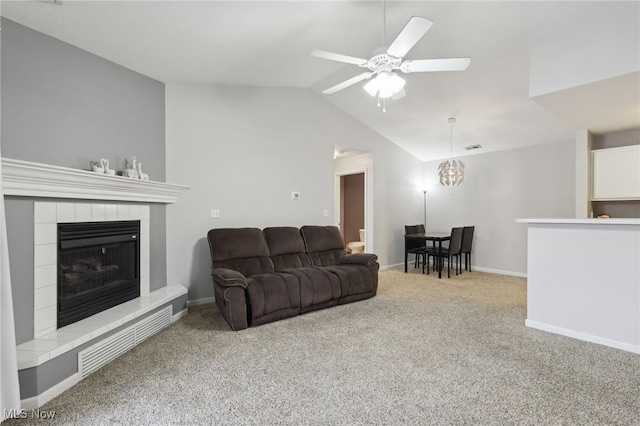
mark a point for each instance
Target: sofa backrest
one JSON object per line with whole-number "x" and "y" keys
{"x": 241, "y": 249}
{"x": 286, "y": 247}
{"x": 324, "y": 244}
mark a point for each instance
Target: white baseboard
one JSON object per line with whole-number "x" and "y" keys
{"x": 387, "y": 267}
{"x": 473, "y": 268}
{"x": 498, "y": 271}
{"x": 203, "y": 301}
{"x": 179, "y": 315}
{"x": 38, "y": 401}
{"x": 583, "y": 336}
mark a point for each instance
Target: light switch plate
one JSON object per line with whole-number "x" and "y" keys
{"x": 295, "y": 195}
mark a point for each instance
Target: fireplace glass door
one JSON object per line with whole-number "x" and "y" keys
{"x": 98, "y": 267}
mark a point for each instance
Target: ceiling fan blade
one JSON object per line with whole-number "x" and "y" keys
{"x": 409, "y": 36}
{"x": 347, "y": 83}
{"x": 428, "y": 65}
{"x": 338, "y": 58}
{"x": 401, "y": 94}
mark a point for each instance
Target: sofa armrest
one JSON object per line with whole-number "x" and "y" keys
{"x": 366, "y": 259}
{"x": 229, "y": 278}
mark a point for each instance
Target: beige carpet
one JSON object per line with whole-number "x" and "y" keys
{"x": 424, "y": 351}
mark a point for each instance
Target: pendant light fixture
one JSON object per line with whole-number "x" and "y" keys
{"x": 451, "y": 171}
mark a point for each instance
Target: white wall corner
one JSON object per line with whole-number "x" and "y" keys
{"x": 583, "y": 143}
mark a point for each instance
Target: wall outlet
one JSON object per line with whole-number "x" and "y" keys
{"x": 325, "y": 212}
{"x": 295, "y": 195}
{"x": 215, "y": 213}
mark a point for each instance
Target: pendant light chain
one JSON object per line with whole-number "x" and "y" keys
{"x": 451, "y": 134}
{"x": 384, "y": 23}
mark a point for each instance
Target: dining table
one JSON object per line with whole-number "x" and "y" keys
{"x": 435, "y": 237}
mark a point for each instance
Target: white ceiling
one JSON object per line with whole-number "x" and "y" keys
{"x": 268, "y": 43}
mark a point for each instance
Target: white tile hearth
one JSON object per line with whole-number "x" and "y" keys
{"x": 47, "y": 215}
{"x": 57, "y": 342}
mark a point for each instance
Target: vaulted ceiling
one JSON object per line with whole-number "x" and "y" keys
{"x": 268, "y": 43}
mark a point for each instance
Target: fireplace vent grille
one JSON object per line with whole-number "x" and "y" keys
{"x": 95, "y": 357}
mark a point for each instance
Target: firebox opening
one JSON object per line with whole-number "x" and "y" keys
{"x": 98, "y": 267}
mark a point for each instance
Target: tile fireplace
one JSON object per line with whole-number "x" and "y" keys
{"x": 56, "y": 226}
{"x": 58, "y": 356}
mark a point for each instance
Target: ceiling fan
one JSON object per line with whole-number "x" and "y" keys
{"x": 383, "y": 63}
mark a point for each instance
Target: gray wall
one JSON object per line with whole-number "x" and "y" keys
{"x": 64, "y": 106}
{"x": 500, "y": 187}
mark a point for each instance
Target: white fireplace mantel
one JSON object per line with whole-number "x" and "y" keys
{"x": 28, "y": 179}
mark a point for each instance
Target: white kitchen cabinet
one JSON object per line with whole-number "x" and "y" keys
{"x": 616, "y": 173}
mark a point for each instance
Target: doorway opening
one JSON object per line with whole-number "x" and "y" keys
{"x": 354, "y": 198}
{"x": 352, "y": 209}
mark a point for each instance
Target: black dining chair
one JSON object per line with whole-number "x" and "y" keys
{"x": 467, "y": 241}
{"x": 454, "y": 250}
{"x": 417, "y": 247}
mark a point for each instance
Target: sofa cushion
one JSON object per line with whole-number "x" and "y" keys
{"x": 318, "y": 286}
{"x": 354, "y": 280}
{"x": 271, "y": 293}
{"x": 286, "y": 247}
{"x": 324, "y": 244}
{"x": 243, "y": 249}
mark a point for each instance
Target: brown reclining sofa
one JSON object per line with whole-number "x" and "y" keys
{"x": 260, "y": 276}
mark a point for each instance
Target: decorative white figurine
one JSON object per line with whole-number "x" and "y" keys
{"x": 142, "y": 176}
{"x": 105, "y": 166}
{"x": 131, "y": 168}
{"x": 96, "y": 167}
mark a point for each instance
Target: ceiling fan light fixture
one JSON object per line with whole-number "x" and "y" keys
{"x": 372, "y": 87}
{"x": 385, "y": 85}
